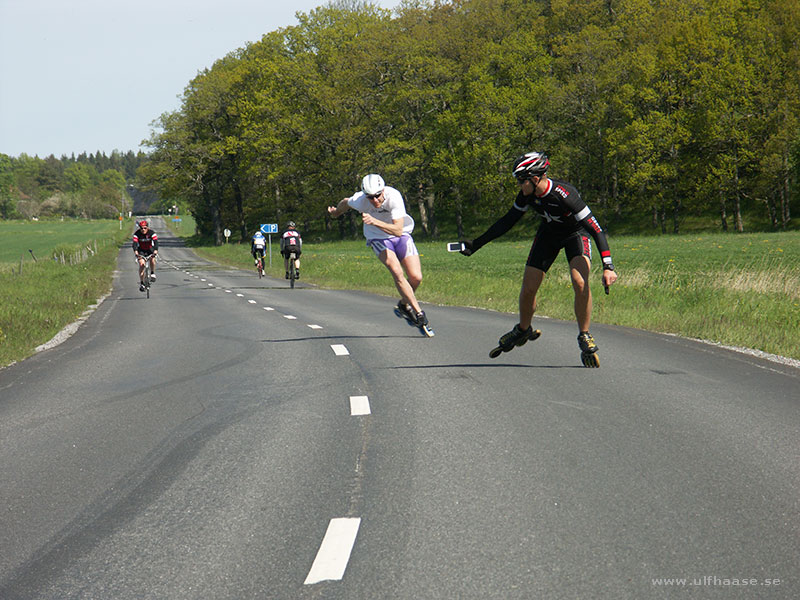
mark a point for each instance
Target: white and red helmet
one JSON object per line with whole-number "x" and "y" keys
{"x": 530, "y": 164}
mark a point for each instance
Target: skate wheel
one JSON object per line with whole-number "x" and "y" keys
{"x": 496, "y": 352}
{"x": 590, "y": 359}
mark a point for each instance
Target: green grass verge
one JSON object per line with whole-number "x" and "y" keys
{"x": 39, "y": 298}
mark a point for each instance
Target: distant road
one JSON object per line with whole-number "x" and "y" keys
{"x": 200, "y": 444}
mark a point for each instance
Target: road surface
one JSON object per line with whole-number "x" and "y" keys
{"x": 230, "y": 438}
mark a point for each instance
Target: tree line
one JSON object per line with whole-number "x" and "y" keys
{"x": 655, "y": 109}
{"x": 89, "y": 186}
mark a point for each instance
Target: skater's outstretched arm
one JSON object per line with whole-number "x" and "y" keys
{"x": 500, "y": 227}
{"x": 339, "y": 209}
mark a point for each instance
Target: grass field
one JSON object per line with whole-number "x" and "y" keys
{"x": 39, "y": 298}
{"x": 18, "y": 237}
{"x": 735, "y": 289}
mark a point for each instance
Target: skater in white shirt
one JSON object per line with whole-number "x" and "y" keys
{"x": 387, "y": 228}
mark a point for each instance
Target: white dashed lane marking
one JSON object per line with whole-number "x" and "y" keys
{"x": 359, "y": 405}
{"x": 340, "y": 537}
{"x": 334, "y": 553}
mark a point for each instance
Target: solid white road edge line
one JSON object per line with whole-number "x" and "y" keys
{"x": 359, "y": 405}
{"x": 334, "y": 552}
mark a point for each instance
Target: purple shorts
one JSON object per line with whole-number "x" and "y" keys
{"x": 402, "y": 246}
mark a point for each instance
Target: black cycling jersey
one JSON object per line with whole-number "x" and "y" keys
{"x": 564, "y": 214}
{"x": 145, "y": 243}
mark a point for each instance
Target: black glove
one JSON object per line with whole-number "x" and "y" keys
{"x": 469, "y": 249}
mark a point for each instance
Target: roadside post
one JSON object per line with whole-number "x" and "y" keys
{"x": 269, "y": 228}
{"x": 227, "y": 233}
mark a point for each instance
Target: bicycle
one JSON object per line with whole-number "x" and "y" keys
{"x": 260, "y": 265}
{"x": 292, "y": 270}
{"x": 146, "y": 282}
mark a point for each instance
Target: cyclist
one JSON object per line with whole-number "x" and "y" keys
{"x": 565, "y": 221}
{"x": 387, "y": 228}
{"x": 145, "y": 247}
{"x": 291, "y": 242}
{"x": 258, "y": 247}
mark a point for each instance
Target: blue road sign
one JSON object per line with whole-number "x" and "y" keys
{"x": 269, "y": 228}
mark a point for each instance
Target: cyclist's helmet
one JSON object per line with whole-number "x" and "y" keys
{"x": 530, "y": 164}
{"x": 143, "y": 224}
{"x": 291, "y": 225}
{"x": 372, "y": 184}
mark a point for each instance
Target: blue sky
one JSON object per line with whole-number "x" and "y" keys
{"x": 92, "y": 75}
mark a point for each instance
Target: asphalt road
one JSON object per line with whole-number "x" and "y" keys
{"x": 230, "y": 438}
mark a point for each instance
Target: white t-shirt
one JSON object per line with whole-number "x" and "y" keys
{"x": 392, "y": 208}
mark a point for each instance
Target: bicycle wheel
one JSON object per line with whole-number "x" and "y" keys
{"x": 292, "y": 274}
{"x": 147, "y": 277}
{"x": 260, "y": 268}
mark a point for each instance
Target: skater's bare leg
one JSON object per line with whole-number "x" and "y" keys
{"x": 579, "y": 272}
{"x": 403, "y": 285}
{"x": 531, "y": 281}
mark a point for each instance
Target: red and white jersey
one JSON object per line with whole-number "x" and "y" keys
{"x": 291, "y": 239}
{"x": 145, "y": 242}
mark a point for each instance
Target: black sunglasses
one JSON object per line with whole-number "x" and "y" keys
{"x": 373, "y": 196}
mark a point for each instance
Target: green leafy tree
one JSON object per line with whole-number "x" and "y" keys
{"x": 8, "y": 206}
{"x": 79, "y": 177}
{"x": 654, "y": 109}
